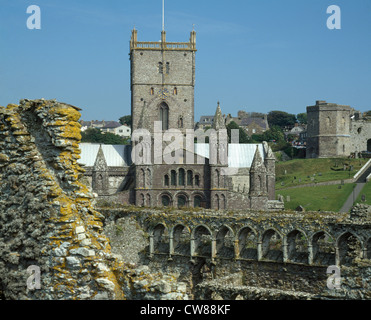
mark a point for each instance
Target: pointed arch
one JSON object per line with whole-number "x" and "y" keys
{"x": 164, "y": 115}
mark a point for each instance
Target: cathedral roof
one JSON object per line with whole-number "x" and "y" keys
{"x": 115, "y": 155}
{"x": 239, "y": 155}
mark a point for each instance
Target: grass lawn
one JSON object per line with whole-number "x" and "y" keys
{"x": 367, "y": 192}
{"x": 305, "y": 171}
{"x": 324, "y": 198}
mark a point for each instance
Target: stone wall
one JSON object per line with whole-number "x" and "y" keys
{"x": 46, "y": 215}
{"x": 226, "y": 255}
{"x": 335, "y": 131}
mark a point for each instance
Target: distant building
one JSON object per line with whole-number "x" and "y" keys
{"x": 122, "y": 131}
{"x": 252, "y": 122}
{"x": 104, "y": 125}
{"x": 107, "y": 126}
{"x": 205, "y": 121}
{"x": 336, "y": 131}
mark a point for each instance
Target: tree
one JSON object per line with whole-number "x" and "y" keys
{"x": 94, "y": 135}
{"x": 302, "y": 118}
{"x": 243, "y": 137}
{"x": 126, "y": 120}
{"x": 281, "y": 119}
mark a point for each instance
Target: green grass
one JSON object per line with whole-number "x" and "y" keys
{"x": 323, "y": 198}
{"x": 367, "y": 192}
{"x": 306, "y": 171}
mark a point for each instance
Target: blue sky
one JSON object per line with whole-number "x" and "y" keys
{"x": 253, "y": 55}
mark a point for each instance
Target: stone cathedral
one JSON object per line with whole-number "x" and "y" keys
{"x": 162, "y": 92}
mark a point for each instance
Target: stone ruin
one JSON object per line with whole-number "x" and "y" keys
{"x": 46, "y": 215}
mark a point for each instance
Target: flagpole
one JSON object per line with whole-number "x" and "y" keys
{"x": 163, "y": 15}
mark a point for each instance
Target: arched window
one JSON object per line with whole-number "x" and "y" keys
{"x": 175, "y": 91}
{"x": 182, "y": 201}
{"x": 181, "y": 177}
{"x": 328, "y": 122}
{"x": 148, "y": 200}
{"x": 164, "y": 115}
{"x": 189, "y": 178}
{"x": 166, "y": 180}
{"x": 142, "y": 179}
{"x": 142, "y": 200}
{"x": 165, "y": 200}
{"x": 223, "y": 203}
{"x": 217, "y": 202}
{"x": 149, "y": 178}
{"x": 152, "y": 91}
{"x": 173, "y": 178}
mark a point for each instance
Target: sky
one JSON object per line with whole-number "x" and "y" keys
{"x": 252, "y": 55}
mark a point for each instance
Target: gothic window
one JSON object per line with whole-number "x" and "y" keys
{"x": 217, "y": 202}
{"x": 164, "y": 115}
{"x": 166, "y": 180}
{"x": 149, "y": 178}
{"x": 181, "y": 177}
{"x": 142, "y": 200}
{"x": 167, "y": 67}
{"x": 148, "y": 200}
{"x": 160, "y": 68}
{"x": 223, "y": 202}
{"x": 173, "y": 178}
{"x": 142, "y": 180}
{"x": 175, "y": 91}
{"x": 197, "y": 180}
{"x": 152, "y": 91}
{"x": 189, "y": 178}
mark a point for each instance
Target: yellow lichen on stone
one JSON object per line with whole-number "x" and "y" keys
{"x": 69, "y": 113}
{"x": 11, "y": 106}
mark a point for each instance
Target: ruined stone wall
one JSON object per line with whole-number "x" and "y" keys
{"x": 46, "y": 215}
{"x": 360, "y": 133}
{"x": 226, "y": 255}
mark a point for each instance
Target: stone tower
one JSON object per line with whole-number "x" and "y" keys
{"x": 328, "y": 131}
{"x": 162, "y": 83}
{"x": 258, "y": 183}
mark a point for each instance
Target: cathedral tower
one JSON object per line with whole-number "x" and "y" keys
{"x": 162, "y": 83}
